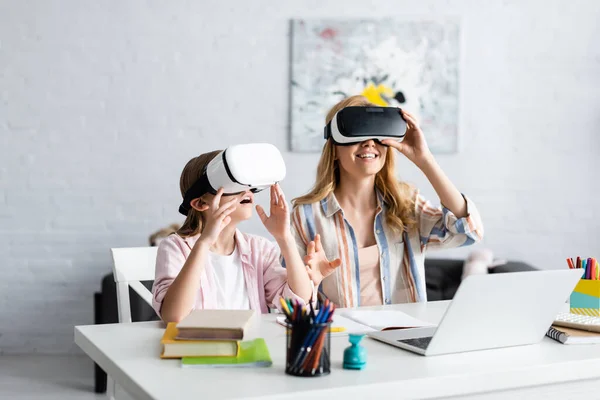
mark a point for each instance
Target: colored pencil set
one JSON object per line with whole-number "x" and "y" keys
{"x": 591, "y": 269}
{"x": 308, "y": 338}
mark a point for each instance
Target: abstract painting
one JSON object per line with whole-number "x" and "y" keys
{"x": 413, "y": 64}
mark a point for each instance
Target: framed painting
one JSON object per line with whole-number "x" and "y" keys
{"x": 413, "y": 64}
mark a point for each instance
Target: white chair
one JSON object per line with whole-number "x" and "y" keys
{"x": 131, "y": 265}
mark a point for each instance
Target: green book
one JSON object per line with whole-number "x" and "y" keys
{"x": 252, "y": 353}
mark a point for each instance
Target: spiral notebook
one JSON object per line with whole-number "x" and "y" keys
{"x": 572, "y": 336}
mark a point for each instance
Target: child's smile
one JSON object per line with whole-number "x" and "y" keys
{"x": 248, "y": 199}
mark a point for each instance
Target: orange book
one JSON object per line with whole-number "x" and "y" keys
{"x": 173, "y": 348}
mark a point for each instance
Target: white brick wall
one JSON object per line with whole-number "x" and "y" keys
{"x": 102, "y": 103}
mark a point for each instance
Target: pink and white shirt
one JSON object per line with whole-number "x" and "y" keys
{"x": 265, "y": 278}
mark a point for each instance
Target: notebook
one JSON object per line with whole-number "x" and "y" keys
{"x": 572, "y": 336}
{"x": 582, "y": 322}
{"x": 381, "y": 320}
{"x": 215, "y": 325}
{"x": 252, "y": 353}
{"x": 173, "y": 348}
{"x": 363, "y": 321}
{"x": 340, "y": 326}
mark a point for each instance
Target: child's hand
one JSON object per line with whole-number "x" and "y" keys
{"x": 216, "y": 217}
{"x": 317, "y": 264}
{"x": 414, "y": 146}
{"x": 278, "y": 223}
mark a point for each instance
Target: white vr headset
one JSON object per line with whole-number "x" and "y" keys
{"x": 352, "y": 125}
{"x": 253, "y": 167}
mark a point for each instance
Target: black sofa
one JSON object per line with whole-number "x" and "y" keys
{"x": 442, "y": 277}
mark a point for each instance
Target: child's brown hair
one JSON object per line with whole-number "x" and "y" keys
{"x": 192, "y": 171}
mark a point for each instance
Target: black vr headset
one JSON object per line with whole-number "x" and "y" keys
{"x": 352, "y": 125}
{"x": 253, "y": 167}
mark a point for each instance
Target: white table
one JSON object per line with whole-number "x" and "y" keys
{"x": 129, "y": 353}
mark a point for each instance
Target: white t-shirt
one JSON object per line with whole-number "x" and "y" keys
{"x": 231, "y": 290}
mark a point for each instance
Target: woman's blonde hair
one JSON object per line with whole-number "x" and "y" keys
{"x": 398, "y": 196}
{"x": 193, "y": 170}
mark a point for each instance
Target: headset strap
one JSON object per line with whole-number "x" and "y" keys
{"x": 200, "y": 187}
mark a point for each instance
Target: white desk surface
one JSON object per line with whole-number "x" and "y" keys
{"x": 130, "y": 354}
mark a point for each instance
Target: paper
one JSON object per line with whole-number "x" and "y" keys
{"x": 385, "y": 319}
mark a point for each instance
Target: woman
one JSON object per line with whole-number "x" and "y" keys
{"x": 377, "y": 228}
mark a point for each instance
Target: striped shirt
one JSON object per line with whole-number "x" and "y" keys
{"x": 402, "y": 256}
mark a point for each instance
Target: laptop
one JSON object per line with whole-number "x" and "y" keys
{"x": 492, "y": 311}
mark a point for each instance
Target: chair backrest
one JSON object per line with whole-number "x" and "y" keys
{"x": 130, "y": 266}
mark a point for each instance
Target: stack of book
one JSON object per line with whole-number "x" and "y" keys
{"x": 214, "y": 338}
{"x": 566, "y": 335}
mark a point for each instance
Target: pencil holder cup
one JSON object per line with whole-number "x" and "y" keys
{"x": 308, "y": 349}
{"x": 585, "y": 299}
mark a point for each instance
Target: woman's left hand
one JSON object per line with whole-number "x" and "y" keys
{"x": 414, "y": 146}
{"x": 318, "y": 266}
{"x": 278, "y": 223}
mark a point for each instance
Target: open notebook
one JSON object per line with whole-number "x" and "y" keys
{"x": 382, "y": 320}
{"x": 363, "y": 321}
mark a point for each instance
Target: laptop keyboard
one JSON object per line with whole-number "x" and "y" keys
{"x": 421, "y": 342}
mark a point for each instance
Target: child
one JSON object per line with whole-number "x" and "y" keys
{"x": 209, "y": 264}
